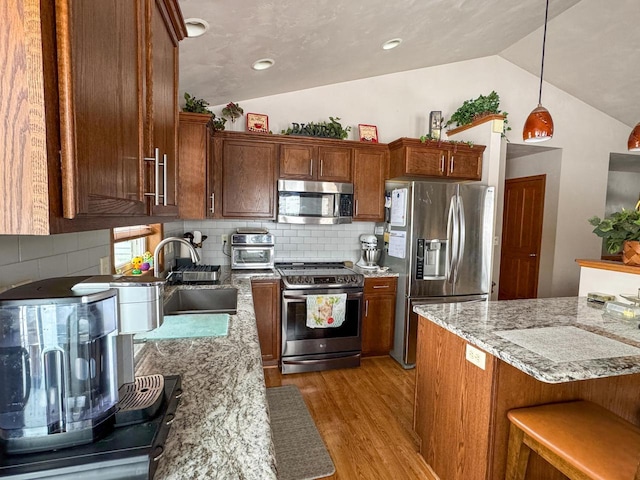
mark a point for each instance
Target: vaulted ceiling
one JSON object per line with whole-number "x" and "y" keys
{"x": 593, "y": 46}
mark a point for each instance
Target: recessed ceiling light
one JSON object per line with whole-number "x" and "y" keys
{"x": 196, "y": 27}
{"x": 263, "y": 64}
{"x": 393, "y": 43}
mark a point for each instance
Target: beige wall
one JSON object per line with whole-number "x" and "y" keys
{"x": 546, "y": 163}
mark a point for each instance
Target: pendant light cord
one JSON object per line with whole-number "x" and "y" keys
{"x": 544, "y": 41}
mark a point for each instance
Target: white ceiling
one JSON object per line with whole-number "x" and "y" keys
{"x": 593, "y": 46}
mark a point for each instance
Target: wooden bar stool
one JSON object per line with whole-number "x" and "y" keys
{"x": 580, "y": 439}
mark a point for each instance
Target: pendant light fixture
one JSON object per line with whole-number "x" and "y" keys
{"x": 539, "y": 124}
{"x": 633, "y": 144}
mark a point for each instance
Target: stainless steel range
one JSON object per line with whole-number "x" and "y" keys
{"x": 321, "y": 316}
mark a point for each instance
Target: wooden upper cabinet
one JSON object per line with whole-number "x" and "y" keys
{"x": 194, "y": 141}
{"x": 245, "y": 176}
{"x": 75, "y": 85}
{"x": 100, "y": 79}
{"x": 369, "y": 173}
{"x": 163, "y": 32}
{"x": 315, "y": 162}
{"x": 409, "y": 157}
{"x": 334, "y": 164}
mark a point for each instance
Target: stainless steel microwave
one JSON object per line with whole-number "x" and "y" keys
{"x": 319, "y": 203}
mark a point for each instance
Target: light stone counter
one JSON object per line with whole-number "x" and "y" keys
{"x": 477, "y": 323}
{"x": 370, "y": 273}
{"x": 221, "y": 429}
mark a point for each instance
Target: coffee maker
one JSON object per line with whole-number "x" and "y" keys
{"x": 370, "y": 252}
{"x": 69, "y": 396}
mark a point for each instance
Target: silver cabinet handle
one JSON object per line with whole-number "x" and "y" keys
{"x": 356, "y": 207}
{"x": 213, "y": 204}
{"x": 451, "y": 164}
{"x": 311, "y": 167}
{"x": 442, "y": 163}
{"x": 321, "y": 164}
{"x": 156, "y": 160}
{"x": 381, "y": 286}
{"x": 366, "y": 308}
{"x": 532, "y": 254}
{"x": 164, "y": 179}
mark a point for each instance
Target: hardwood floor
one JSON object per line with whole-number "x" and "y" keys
{"x": 365, "y": 417}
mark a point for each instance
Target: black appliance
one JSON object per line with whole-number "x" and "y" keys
{"x": 307, "y": 349}
{"x": 130, "y": 452}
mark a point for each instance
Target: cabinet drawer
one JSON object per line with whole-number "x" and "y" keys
{"x": 380, "y": 285}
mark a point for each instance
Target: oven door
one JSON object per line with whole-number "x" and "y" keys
{"x": 298, "y": 339}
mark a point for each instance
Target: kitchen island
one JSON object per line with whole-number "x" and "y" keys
{"x": 221, "y": 428}
{"x": 476, "y": 361}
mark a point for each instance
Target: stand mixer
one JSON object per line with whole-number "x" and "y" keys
{"x": 370, "y": 252}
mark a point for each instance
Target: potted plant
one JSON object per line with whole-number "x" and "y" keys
{"x": 621, "y": 231}
{"x": 195, "y": 105}
{"x": 198, "y": 105}
{"x": 474, "y": 109}
{"x": 232, "y": 111}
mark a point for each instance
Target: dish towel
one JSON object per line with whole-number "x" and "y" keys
{"x": 326, "y": 311}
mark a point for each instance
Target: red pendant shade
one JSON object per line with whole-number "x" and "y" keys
{"x": 634, "y": 139}
{"x": 539, "y": 126}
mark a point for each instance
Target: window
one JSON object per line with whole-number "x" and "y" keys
{"x": 134, "y": 241}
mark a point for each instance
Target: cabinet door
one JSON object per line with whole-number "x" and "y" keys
{"x": 464, "y": 165}
{"x": 379, "y": 315}
{"x": 369, "y": 172}
{"x": 426, "y": 161}
{"x": 161, "y": 108}
{"x": 377, "y": 324}
{"x": 100, "y": 80}
{"x": 193, "y": 151}
{"x": 334, "y": 164}
{"x": 297, "y": 162}
{"x": 248, "y": 179}
{"x": 266, "y": 302}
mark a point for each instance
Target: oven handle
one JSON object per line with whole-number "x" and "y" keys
{"x": 312, "y": 361}
{"x": 304, "y": 297}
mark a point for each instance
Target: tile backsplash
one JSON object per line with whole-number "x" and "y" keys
{"x": 25, "y": 258}
{"x": 293, "y": 242}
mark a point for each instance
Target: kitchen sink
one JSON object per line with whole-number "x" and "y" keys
{"x": 202, "y": 300}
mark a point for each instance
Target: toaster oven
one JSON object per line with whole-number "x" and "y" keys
{"x": 252, "y": 251}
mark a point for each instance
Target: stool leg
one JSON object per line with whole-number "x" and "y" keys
{"x": 517, "y": 455}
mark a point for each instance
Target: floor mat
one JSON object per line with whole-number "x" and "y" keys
{"x": 300, "y": 451}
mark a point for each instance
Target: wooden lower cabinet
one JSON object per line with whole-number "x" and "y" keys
{"x": 266, "y": 304}
{"x": 379, "y": 315}
{"x": 460, "y": 410}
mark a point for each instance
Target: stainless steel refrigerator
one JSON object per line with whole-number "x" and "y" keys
{"x": 439, "y": 239}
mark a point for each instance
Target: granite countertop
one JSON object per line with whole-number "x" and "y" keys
{"x": 371, "y": 273}
{"x": 573, "y": 340}
{"x": 221, "y": 429}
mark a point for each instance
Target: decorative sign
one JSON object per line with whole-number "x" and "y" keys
{"x": 257, "y": 122}
{"x": 368, "y": 133}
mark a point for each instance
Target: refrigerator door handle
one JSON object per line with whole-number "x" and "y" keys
{"x": 461, "y": 236}
{"x": 452, "y": 237}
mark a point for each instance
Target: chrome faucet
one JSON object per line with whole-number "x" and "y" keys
{"x": 195, "y": 258}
